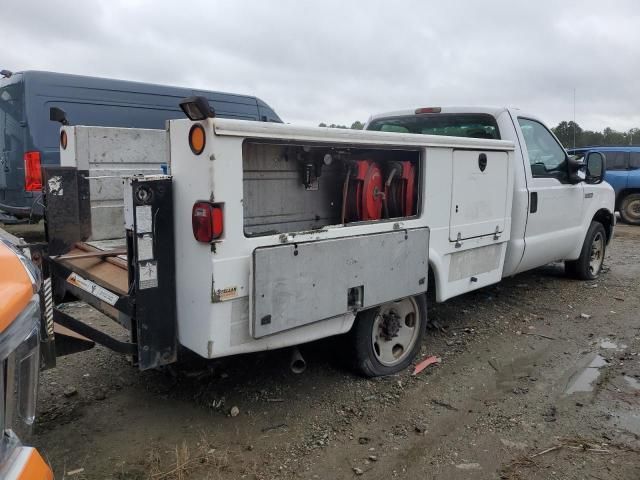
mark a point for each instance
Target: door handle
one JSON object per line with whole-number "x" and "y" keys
{"x": 533, "y": 204}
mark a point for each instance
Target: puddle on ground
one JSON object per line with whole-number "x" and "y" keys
{"x": 632, "y": 382}
{"x": 513, "y": 373}
{"x": 609, "y": 345}
{"x": 583, "y": 380}
{"x": 626, "y": 421}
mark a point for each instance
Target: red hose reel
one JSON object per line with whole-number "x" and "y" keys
{"x": 366, "y": 193}
{"x": 400, "y": 189}
{"x": 363, "y": 192}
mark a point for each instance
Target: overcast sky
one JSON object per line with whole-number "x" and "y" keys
{"x": 340, "y": 61}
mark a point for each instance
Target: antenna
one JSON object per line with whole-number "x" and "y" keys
{"x": 574, "y": 117}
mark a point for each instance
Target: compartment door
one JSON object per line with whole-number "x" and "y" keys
{"x": 478, "y": 193}
{"x": 298, "y": 284}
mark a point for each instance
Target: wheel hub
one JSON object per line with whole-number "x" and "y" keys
{"x": 390, "y": 325}
{"x": 597, "y": 248}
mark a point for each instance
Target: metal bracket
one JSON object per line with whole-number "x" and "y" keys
{"x": 91, "y": 333}
{"x": 459, "y": 240}
{"x": 496, "y": 234}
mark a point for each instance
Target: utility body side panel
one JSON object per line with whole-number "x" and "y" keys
{"x": 479, "y": 193}
{"x": 301, "y": 283}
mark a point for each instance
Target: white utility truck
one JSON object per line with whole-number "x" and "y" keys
{"x": 255, "y": 236}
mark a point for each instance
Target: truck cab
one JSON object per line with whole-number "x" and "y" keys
{"x": 555, "y": 200}
{"x": 19, "y": 358}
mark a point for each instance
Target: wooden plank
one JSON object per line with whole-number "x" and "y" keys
{"x": 103, "y": 254}
{"x": 118, "y": 262}
{"x": 113, "y": 274}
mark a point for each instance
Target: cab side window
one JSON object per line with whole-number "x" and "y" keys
{"x": 546, "y": 155}
{"x": 634, "y": 163}
{"x": 616, "y": 160}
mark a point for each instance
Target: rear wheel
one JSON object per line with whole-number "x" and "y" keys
{"x": 630, "y": 209}
{"x": 388, "y": 337}
{"x": 589, "y": 264}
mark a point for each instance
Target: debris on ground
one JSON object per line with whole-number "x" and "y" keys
{"x": 444, "y": 404}
{"x": 70, "y": 391}
{"x": 430, "y": 360}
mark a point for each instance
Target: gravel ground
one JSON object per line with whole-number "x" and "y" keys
{"x": 539, "y": 379}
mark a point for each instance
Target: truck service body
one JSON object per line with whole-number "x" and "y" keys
{"x": 264, "y": 236}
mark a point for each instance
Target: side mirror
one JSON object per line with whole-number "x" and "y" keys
{"x": 58, "y": 115}
{"x": 596, "y": 167}
{"x": 576, "y": 170}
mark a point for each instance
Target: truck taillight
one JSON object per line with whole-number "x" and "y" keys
{"x": 207, "y": 221}
{"x": 32, "y": 172}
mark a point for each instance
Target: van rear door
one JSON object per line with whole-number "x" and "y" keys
{"x": 11, "y": 132}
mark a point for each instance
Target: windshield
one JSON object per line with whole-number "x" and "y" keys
{"x": 473, "y": 125}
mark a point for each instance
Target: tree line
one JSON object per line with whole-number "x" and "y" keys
{"x": 570, "y": 133}
{"x": 354, "y": 126}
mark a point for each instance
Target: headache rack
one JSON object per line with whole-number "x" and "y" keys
{"x": 129, "y": 279}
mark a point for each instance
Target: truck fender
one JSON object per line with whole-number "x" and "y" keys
{"x": 602, "y": 215}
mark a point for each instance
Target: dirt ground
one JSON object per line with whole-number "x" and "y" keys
{"x": 539, "y": 379}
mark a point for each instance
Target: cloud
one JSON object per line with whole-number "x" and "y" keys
{"x": 342, "y": 61}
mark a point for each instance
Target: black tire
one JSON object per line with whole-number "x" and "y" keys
{"x": 367, "y": 361}
{"x": 589, "y": 265}
{"x": 630, "y": 209}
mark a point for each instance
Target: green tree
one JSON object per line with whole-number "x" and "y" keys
{"x": 357, "y": 125}
{"x": 584, "y": 138}
{"x": 569, "y": 133}
{"x": 613, "y": 137}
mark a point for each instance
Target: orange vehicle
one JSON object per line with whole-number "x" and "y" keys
{"x": 19, "y": 365}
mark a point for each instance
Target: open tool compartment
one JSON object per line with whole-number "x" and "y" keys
{"x": 302, "y": 187}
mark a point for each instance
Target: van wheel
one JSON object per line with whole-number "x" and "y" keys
{"x": 589, "y": 264}
{"x": 630, "y": 209}
{"x": 388, "y": 337}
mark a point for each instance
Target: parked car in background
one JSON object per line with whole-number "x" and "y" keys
{"x": 623, "y": 173}
{"x": 28, "y": 139}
